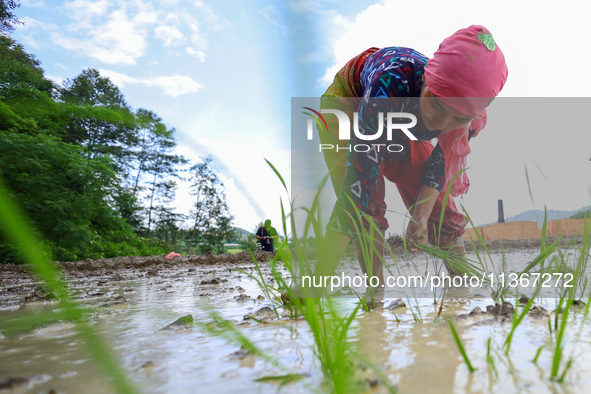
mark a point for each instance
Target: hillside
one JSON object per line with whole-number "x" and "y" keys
{"x": 538, "y": 216}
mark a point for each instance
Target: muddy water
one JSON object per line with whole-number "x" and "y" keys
{"x": 416, "y": 357}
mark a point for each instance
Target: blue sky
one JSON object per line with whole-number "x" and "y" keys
{"x": 222, "y": 74}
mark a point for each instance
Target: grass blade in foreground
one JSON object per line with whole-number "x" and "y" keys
{"x": 460, "y": 345}
{"x": 17, "y": 230}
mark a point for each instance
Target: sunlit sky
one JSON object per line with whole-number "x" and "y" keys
{"x": 222, "y": 73}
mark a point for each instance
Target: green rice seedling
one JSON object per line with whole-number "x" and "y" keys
{"x": 412, "y": 302}
{"x": 559, "y": 345}
{"x": 544, "y": 227}
{"x": 329, "y": 329}
{"x": 378, "y": 373}
{"x": 281, "y": 379}
{"x": 18, "y": 231}
{"x": 482, "y": 261}
{"x": 444, "y": 204}
{"x": 272, "y": 293}
{"x": 227, "y": 330}
{"x": 460, "y": 346}
{"x": 581, "y": 268}
{"x": 517, "y": 319}
{"x": 548, "y": 250}
{"x": 368, "y": 248}
{"x": 538, "y": 352}
{"x": 457, "y": 262}
{"x": 332, "y": 349}
{"x": 489, "y": 358}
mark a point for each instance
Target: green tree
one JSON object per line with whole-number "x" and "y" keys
{"x": 582, "y": 214}
{"x": 210, "y": 214}
{"x": 26, "y": 96}
{"x": 167, "y": 227}
{"x": 162, "y": 166}
{"x": 102, "y": 121}
{"x": 7, "y": 18}
{"x": 67, "y": 196}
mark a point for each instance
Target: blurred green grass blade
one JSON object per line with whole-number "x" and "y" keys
{"x": 559, "y": 347}
{"x": 391, "y": 389}
{"x": 277, "y": 173}
{"x": 17, "y": 230}
{"x": 528, "y": 184}
{"x": 541, "y": 257}
{"x": 283, "y": 219}
{"x": 544, "y": 226}
{"x": 281, "y": 379}
{"x": 460, "y": 345}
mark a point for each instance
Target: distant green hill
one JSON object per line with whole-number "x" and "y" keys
{"x": 581, "y": 214}
{"x": 538, "y": 216}
{"x": 239, "y": 234}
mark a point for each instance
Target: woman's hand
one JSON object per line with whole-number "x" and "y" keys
{"x": 416, "y": 232}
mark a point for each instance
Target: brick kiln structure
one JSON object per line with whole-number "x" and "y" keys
{"x": 525, "y": 230}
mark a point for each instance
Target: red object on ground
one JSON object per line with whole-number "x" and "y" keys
{"x": 172, "y": 255}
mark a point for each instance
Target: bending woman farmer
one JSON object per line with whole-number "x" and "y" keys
{"x": 448, "y": 95}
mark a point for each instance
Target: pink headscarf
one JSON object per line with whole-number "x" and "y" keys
{"x": 467, "y": 72}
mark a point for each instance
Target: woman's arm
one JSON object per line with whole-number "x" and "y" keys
{"x": 416, "y": 231}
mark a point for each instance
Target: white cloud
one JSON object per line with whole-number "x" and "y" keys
{"x": 273, "y": 17}
{"x": 59, "y": 65}
{"x": 111, "y": 37}
{"x": 170, "y": 35}
{"x": 35, "y": 24}
{"x": 380, "y": 25}
{"x": 197, "y": 36}
{"x": 119, "y": 32}
{"x": 82, "y": 10}
{"x": 215, "y": 22}
{"x": 57, "y": 79}
{"x": 173, "y": 85}
{"x": 200, "y": 55}
{"x": 34, "y": 31}
{"x": 123, "y": 50}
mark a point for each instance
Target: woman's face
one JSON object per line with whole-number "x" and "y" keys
{"x": 437, "y": 115}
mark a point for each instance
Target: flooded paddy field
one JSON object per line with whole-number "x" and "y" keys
{"x": 141, "y": 306}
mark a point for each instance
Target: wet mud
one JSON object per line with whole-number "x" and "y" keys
{"x": 154, "y": 313}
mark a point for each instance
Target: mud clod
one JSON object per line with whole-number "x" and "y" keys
{"x": 398, "y": 303}
{"x": 214, "y": 281}
{"x": 242, "y": 297}
{"x": 476, "y": 311}
{"x": 538, "y": 312}
{"x": 40, "y": 296}
{"x": 121, "y": 300}
{"x": 240, "y": 354}
{"x": 182, "y": 323}
{"x": 265, "y": 313}
{"x": 506, "y": 309}
{"x": 148, "y": 364}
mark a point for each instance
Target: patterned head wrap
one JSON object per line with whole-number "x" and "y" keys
{"x": 467, "y": 72}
